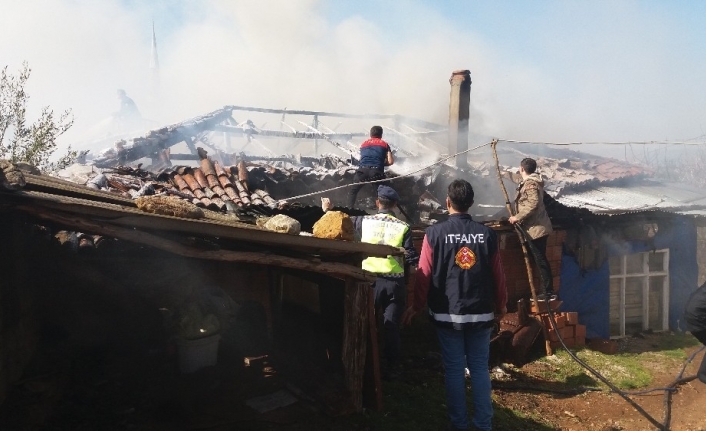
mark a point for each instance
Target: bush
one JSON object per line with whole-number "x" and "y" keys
{"x": 30, "y": 143}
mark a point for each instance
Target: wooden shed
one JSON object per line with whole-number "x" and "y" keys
{"x": 314, "y": 306}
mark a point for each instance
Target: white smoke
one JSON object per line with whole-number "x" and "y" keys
{"x": 577, "y": 72}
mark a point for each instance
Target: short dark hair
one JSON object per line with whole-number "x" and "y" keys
{"x": 529, "y": 165}
{"x": 386, "y": 203}
{"x": 461, "y": 195}
{"x": 376, "y": 132}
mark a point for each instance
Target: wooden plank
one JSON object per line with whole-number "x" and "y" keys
{"x": 134, "y": 218}
{"x": 48, "y": 184}
{"x": 106, "y": 229}
{"x": 355, "y": 334}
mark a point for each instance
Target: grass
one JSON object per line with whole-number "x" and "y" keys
{"x": 417, "y": 401}
{"x": 626, "y": 370}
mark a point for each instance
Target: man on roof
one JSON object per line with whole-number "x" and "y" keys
{"x": 375, "y": 154}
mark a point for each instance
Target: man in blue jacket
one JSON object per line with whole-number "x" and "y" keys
{"x": 461, "y": 277}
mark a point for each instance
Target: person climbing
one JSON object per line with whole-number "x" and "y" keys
{"x": 532, "y": 216}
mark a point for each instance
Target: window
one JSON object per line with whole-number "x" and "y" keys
{"x": 639, "y": 293}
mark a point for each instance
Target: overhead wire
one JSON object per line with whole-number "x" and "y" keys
{"x": 385, "y": 180}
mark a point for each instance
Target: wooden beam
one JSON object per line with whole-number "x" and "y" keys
{"x": 355, "y": 334}
{"x": 134, "y": 218}
{"x": 83, "y": 224}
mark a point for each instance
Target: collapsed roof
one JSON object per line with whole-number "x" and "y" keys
{"x": 239, "y": 167}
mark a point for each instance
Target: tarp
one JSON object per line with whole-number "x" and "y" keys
{"x": 588, "y": 292}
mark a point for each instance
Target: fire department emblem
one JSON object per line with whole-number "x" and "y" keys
{"x": 465, "y": 258}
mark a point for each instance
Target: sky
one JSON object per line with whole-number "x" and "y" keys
{"x": 549, "y": 71}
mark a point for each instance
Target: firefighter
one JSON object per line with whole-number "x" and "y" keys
{"x": 461, "y": 278}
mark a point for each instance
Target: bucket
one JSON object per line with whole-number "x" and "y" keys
{"x": 197, "y": 354}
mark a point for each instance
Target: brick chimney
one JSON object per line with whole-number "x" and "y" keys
{"x": 459, "y": 107}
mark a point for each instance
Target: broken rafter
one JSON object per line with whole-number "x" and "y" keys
{"x": 160, "y": 139}
{"x": 353, "y": 154}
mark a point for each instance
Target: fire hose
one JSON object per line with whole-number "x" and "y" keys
{"x": 528, "y": 246}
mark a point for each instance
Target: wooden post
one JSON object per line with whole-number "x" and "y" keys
{"x": 355, "y": 334}
{"x": 372, "y": 388}
{"x": 459, "y": 107}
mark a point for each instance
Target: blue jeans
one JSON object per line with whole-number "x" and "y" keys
{"x": 460, "y": 349}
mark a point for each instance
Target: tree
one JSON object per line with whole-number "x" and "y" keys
{"x": 31, "y": 143}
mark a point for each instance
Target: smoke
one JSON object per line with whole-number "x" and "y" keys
{"x": 623, "y": 71}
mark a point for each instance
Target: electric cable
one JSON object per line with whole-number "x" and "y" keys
{"x": 669, "y": 390}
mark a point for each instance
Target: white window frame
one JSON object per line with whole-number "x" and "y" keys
{"x": 645, "y": 274}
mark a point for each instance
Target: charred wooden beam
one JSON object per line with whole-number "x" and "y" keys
{"x": 161, "y": 139}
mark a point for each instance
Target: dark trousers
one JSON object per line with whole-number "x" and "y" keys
{"x": 542, "y": 264}
{"x": 391, "y": 298}
{"x": 363, "y": 175}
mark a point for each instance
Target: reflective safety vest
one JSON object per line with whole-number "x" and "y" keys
{"x": 388, "y": 230}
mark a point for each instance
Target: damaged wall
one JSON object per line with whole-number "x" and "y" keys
{"x": 588, "y": 290}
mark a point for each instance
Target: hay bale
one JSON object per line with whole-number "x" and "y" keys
{"x": 334, "y": 225}
{"x": 168, "y": 205}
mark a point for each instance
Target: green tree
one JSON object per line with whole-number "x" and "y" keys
{"x": 31, "y": 143}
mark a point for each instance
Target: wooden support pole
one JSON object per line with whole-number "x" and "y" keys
{"x": 355, "y": 335}
{"x": 372, "y": 388}
{"x": 525, "y": 250}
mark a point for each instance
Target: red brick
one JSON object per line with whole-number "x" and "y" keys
{"x": 570, "y": 342}
{"x": 560, "y": 320}
{"x": 567, "y": 332}
{"x": 552, "y": 335}
{"x": 572, "y": 318}
{"x": 580, "y": 342}
{"x": 580, "y": 331}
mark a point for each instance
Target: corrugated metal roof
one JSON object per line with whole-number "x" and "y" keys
{"x": 643, "y": 196}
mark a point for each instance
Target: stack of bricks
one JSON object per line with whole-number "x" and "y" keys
{"x": 567, "y": 327}
{"x": 514, "y": 264}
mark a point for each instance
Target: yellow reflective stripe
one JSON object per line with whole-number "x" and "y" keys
{"x": 383, "y": 229}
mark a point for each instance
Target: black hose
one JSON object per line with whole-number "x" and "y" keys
{"x": 537, "y": 255}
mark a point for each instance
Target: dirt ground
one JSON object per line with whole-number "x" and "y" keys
{"x": 97, "y": 390}
{"x": 608, "y": 411}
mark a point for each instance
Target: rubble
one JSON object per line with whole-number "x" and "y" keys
{"x": 334, "y": 225}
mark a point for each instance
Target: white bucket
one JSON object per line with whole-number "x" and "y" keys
{"x": 197, "y": 354}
